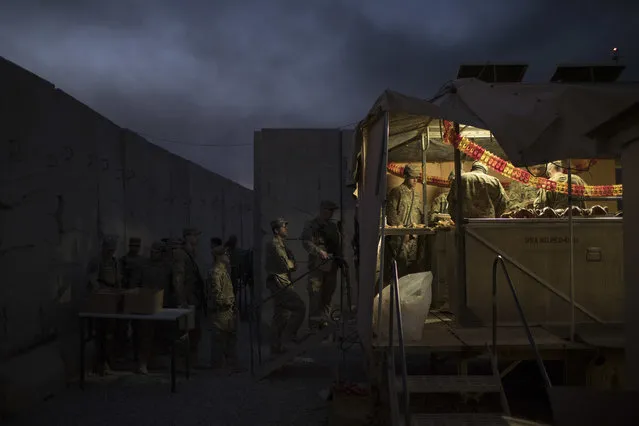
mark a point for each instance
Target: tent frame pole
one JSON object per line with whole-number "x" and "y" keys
{"x": 571, "y": 231}
{"x": 382, "y": 185}
{"x": 425, "y": 145}
{"x": 460, "y": 270}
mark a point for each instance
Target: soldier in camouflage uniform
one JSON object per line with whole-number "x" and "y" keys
{"x": 104, "y": 274}
{"x": 521, "y": 195}
{"x": 323, "y": 242}
{"x": 556, "y": 200}
{"x": 188, "y": 284}
{"x": 131, "y": 264}
{"x": 438, "y": 206}
{"x": 483, "y": 196}
{"x": 289, "y": 309}
{"x": 222, "y": 312}
{"x": 440, "y": 203}
{"x": 156, "y": 274}
{"x": 404, "y": 207}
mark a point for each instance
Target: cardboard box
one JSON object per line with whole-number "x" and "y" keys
{"x": 144, "y": 301}
{"x": 105, "y": 301}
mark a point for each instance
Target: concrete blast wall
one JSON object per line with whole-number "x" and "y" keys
{"x": 70, "y": 176}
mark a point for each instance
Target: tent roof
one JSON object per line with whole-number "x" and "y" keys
{"x": 405, "y": 139}
{"x": 534, "y": 123}
{"x": 410, "y": 117}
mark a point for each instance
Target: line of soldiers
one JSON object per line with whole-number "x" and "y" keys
{"x": 172, "y": 267}
{"x": 322, "y": 241}
{"x": 483, "y": 197}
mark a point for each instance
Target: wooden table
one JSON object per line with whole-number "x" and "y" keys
{"x": 165, "y": 315}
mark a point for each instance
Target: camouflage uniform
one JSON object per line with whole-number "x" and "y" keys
{"x": 131, "y": 265}
{"x": 104, "y": 273}
{"x": 222, "y": 318}
{"x": 520, "y": 195}
{"x": 438, "y": 206}
{"x": 319, "y": 235}
{"x": 557, "y": 200}
{"x": 279, "y": 263}
{"x": 188, "y": 284}
{"x": 156, "y": 274}
{"x": 483, "y": 196}
{"x": 404, "y": 207}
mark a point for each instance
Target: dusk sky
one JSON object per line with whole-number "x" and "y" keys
{"x": 211, "y": 72}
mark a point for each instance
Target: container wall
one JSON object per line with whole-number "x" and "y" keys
{"x": 543, "y": 247}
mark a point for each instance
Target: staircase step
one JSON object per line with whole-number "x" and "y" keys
{"x": 450, "y": 384}
{"x": 280, "y": 361}
{"x": 468, "y": 419}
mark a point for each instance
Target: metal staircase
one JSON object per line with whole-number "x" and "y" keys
{"x": 401, "y": 387}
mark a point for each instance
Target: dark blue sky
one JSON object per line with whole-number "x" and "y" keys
{"x": 211, "y": 72}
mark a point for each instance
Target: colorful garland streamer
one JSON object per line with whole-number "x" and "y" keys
{"x": 505, "y": 168}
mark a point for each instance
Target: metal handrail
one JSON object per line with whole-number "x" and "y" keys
{"x": 532, "y": 275}
{"x": 531, "y": 340}
{"x": 395, "y": 300}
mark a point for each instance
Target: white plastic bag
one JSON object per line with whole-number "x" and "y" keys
{"x": 415, "y": 294}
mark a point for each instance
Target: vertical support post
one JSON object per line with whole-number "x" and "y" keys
{"x": 381, "y": 187}
{"x": 571, "y": 231}
{"x": 425, "y": 144}
{"x": 460, "y": 270}
{"x": 629, "y": 157}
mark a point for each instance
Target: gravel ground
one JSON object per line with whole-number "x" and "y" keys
{"x": 292, "y": 397}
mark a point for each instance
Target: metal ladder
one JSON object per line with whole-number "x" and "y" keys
{"x": 453, "y": 384}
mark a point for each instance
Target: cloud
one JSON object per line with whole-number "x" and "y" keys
{"x": 214, "y": 71}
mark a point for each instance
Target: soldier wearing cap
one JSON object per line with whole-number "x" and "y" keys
{"x": 104, "y": 273}
{"x": 222, "y": 315}
{"x": 439, "y": 205}
{"x": 156, "y": 274}
{"x": 131, "y": 264}
{"x": 323, "y": 242}
{"x": 483, "y": 195}
{"x": 557, "y": 200}
{"x": 187, "y": 282}
{"x": 404, "y": 207}
{"x": 289, "y": 310}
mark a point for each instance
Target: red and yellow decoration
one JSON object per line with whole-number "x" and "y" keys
{"x": 505, "y": 168}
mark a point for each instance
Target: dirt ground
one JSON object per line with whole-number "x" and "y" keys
{"x": 294, "y": 396}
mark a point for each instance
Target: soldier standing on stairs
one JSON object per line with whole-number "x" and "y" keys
{"x": 279, "y": 263}
{"x": 322, "y": 241}
{"x": 189, "y": 285}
